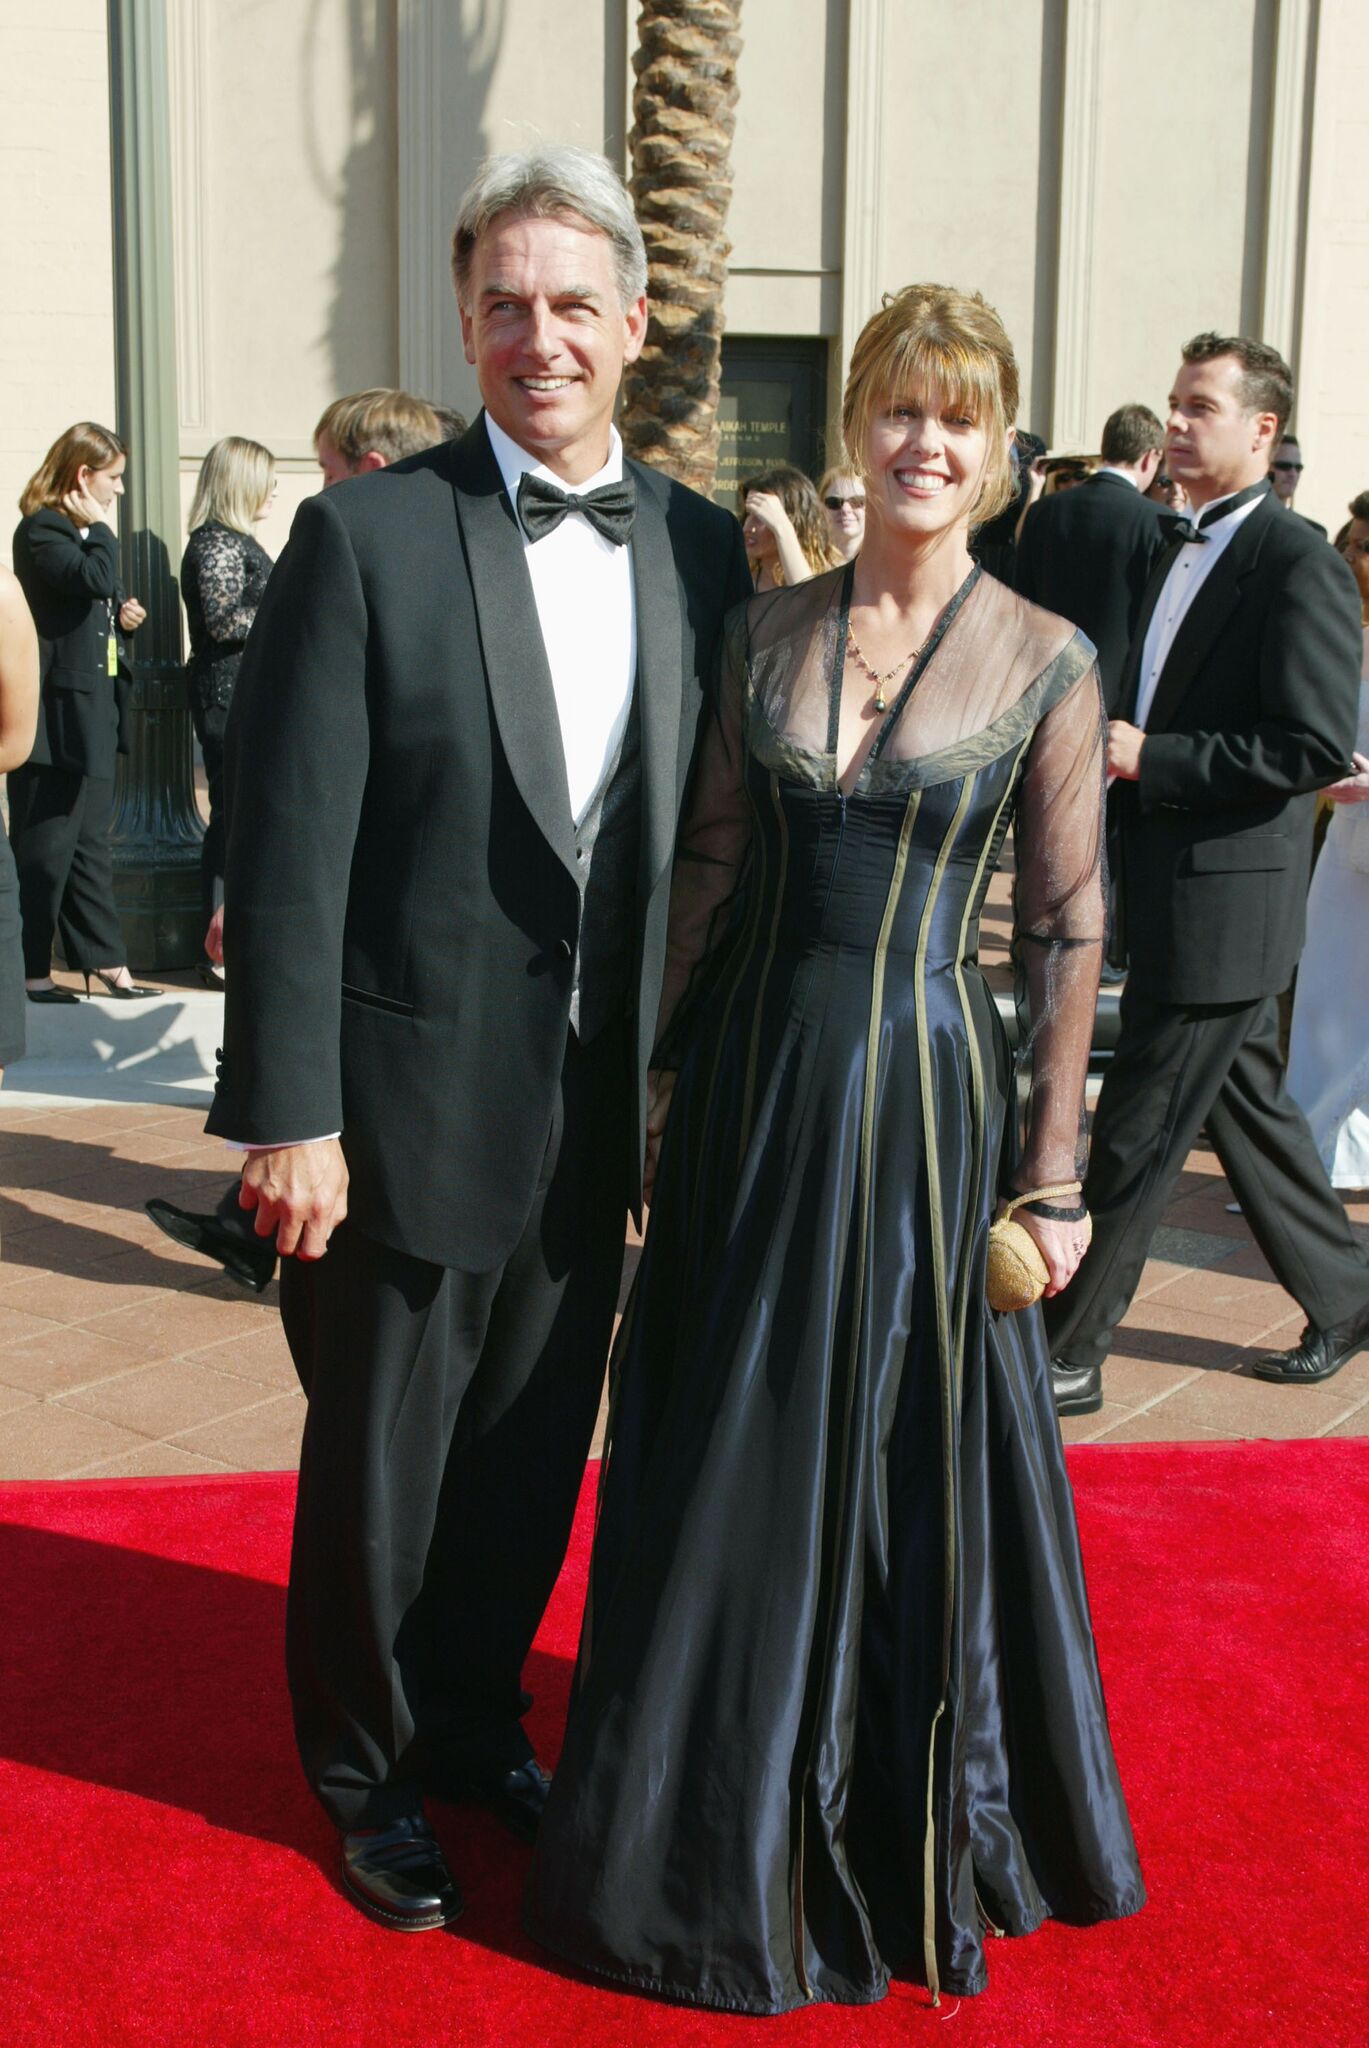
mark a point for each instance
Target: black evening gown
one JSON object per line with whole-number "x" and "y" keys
{"x": 837, "y": 1711}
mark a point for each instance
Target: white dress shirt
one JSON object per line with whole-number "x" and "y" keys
{"x": 586, "y": 607}
{"x": 1188, "y": 572}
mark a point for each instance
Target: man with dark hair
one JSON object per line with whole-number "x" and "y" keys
{"x": 1285, "y": 473}
{"x": 1087, "y": 553}
{"x": 456, "y": 756}
{"x": 1241, "y": 694}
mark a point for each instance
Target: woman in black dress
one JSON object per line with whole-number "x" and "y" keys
{"x": 66, "y": 559}
{"x": 18, "y": 723}
{"x": 838, "y": 1710}
{"x": 223, "y": 575}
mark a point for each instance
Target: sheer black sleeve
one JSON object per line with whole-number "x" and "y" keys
{"x": 710, "y": 853}
{"x": 1060, "y": 924}
{"x": 227, "y": 587}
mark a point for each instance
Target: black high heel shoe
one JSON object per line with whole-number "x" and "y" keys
{"x": 122, "y": 991}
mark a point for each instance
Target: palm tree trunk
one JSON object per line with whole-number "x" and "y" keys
{"x": 684, "y": 111}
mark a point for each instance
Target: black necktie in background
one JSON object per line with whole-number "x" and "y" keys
{"x": 610, "y": 509}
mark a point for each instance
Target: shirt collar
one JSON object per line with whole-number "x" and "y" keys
{"x": 1107, "y": 469}
{"x": 1237, "y": 503}
{"x": 515, "y": 462}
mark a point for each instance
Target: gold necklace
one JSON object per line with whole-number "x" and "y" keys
{"x": 899, "y": 667}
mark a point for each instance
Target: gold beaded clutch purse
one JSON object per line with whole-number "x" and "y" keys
{"x": 1017, "y": 1273}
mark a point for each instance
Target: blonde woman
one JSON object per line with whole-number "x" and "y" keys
{"x": 223, "y": 575}
{"x": 784, "y": 527}
{"x": 838, "y": 1710}
{"x": 843, "y": 501}
{"x": 67, "y": 560}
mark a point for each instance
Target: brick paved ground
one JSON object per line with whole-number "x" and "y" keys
{"x": 122, "y": 1354}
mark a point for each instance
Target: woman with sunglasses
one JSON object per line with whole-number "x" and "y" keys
{"x": 843, "y": 500}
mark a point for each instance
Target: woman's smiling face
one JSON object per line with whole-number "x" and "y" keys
{"x": 925, "y": 462}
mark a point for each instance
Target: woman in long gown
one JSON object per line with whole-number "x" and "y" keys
{"x": 837, "y": 1709}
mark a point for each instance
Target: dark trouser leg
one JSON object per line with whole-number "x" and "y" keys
{"x": 212, "y": 847}
{"x": 44, "y": 824}
{"x": 87, "y": 922}
{"x": 524, "y": 1433}
{"x": 449, "y": 1416}
{"x": 1268, "y": 1155}
{"x": 1156, "y": 1094}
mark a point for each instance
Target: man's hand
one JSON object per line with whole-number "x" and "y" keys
{"x": 660, "y": 1086}
{"x": 299, "y": 1192}
{"x": 1352, "y": 789}
{"x": 1124, "y": 749}
{"x": 213, "y": 938}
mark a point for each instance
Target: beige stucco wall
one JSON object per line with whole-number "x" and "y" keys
{"x": 56, "y": 311}
{"x": 1101, "y": 170}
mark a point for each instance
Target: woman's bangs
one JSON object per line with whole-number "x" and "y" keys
{"x": 960, "y": 379}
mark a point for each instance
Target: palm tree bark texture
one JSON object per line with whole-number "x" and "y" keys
{"x": 684, "y": 112}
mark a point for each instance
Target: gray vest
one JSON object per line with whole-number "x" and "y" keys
{"x": 607, "y": 847}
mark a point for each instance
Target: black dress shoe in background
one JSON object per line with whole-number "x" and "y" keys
{"x": 516, "y": 1796}
{"x": 399, "y": 1876}
{"x": 228, "y": 1236}
{"x": 1317, "y": 1354}
{"x": 1078, "y": 1389}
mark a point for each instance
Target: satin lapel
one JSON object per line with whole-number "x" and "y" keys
{"x": 511, "y": 641}
{"x": 1206, "y": 616}
{"x": 660, "y": 670}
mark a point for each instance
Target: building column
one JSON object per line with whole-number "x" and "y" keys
{"x": 1285, "y": 228}
{"x": 1071, "y": 426}
{"x": 156, "y": 830}
{"x": 862, "y": 257}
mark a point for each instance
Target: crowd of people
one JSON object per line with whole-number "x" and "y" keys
{"x": 634, "y": 851}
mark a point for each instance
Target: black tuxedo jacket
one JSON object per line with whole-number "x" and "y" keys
{"x": 1256, "y": 707}
{"x": 401, "y": 894}
{"x": 1087, "y": 554}
{"x": 73, "y": 590}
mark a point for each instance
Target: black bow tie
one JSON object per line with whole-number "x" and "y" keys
{"x": 1184, "y": 529}
{"x": 610, "y": 510}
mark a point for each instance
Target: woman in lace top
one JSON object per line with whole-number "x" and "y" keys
{"x": 837, "y": 1622}
{"x": 223, "y": 575}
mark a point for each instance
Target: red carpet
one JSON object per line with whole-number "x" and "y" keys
{"x": 165, "y": 1879}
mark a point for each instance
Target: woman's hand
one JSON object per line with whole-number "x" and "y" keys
{"x": 1352, "y": 789}
{"x": 1062, "y": 1246}
{"x": 660, "y": 1086}
{"x": 131, "y": 615}
{"x": 82, "y": 509}
{"x": 768, "y": 507}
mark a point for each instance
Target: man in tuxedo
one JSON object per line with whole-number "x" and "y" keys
{"x": 1242, "y": 691}
{"x": 1285, "y": 473}
{"x": 457, "y": 751}
{"x": 1088, "y": 553}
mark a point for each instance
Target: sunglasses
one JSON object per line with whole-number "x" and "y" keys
{"x": 835, "y": 504}
{"x": 1296, "y": 467}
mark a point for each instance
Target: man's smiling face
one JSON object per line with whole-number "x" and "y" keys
{"x": 549, "y": 337}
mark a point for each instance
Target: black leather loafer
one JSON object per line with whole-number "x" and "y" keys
{"x": 1078, "y": 1389}
{"x": 1317, "y": 1354}
{"x": 399, "y": 1876}
{"x": 228, "y": 1236}
{"x": 516, "y": 1797}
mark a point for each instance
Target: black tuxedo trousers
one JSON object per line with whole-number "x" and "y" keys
{"x": 1179, "y": 1070}
{"x": 450, "y": 1417}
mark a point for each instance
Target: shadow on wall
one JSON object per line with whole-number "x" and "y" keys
{"x": 366, "y": 187}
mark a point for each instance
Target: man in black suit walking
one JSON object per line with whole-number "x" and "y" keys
{"x": 456, "y": 755}
{"x": 1088, "y": 553}
{"x": 1242, "y": 691}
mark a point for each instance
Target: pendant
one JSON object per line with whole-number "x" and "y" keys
{"x": 880, "y": 704}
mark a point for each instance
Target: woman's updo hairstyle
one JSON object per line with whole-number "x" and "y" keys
{"x": 931, "y": 338}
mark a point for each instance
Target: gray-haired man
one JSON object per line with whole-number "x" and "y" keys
{"x": 464, "y": 721}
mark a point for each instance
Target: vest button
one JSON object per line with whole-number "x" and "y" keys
{"x": 564, "y": 949}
